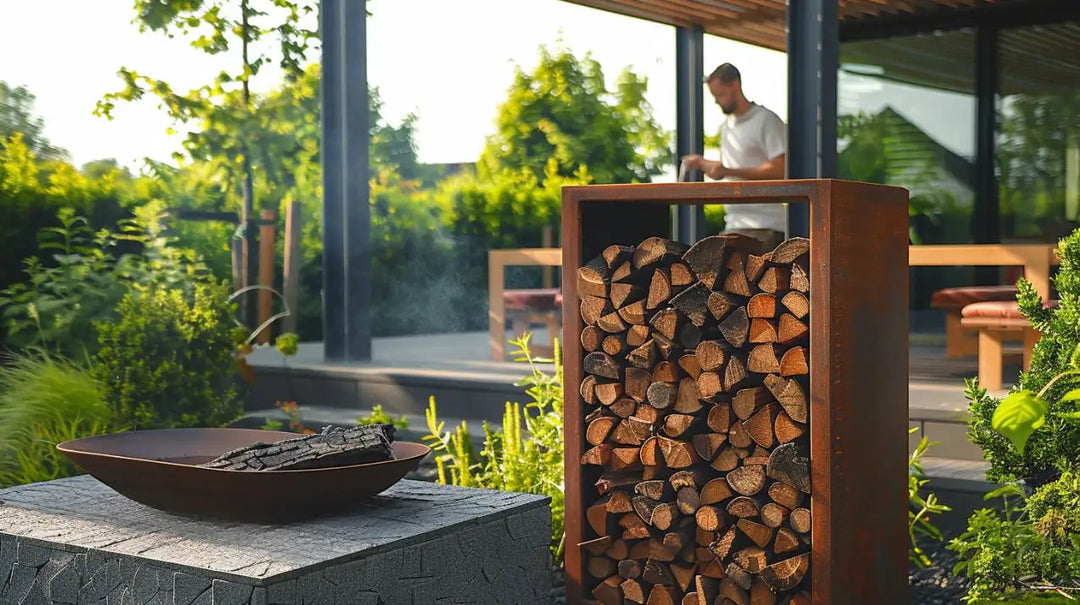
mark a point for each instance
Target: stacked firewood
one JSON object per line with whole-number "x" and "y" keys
{"x": 695, "y": 393}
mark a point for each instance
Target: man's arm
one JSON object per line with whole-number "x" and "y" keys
{"x": 771, "y": 170}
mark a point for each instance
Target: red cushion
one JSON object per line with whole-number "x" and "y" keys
{"x": 993, "y": 310}
{"x": 958, "y": 298}
{"x": 536, "y": 298}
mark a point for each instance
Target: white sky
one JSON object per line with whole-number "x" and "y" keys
{"x": 450, "y": 61}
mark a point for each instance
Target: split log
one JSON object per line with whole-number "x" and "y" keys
{"x": 743, "y": 507}
{"x": 726, "y": 460}
{"x": 623, "y": 295}
{"x": 684, "y": 576}
{"x": 657, "y": 573}
{"x": 602, "y": 365}
{"x": 599, "y": 455}
{"x": 600, "y": 567}
{"x": 733, "y": 593}
{"x": 637, "y": 335}
{"x": 633, "y": 313}
{"x": 677, "y": 424}
{"x": 774, "y": 515}
{"x": 656, "y": 249}
{"x": 611, "y": 323}
{"x": 796, "y": 303}
{"x": 707, "y": 590}
{"x": 625, "y": 273}
{"x": 722, "y": 303}
{"x": 785, "y": 495}
{"x": 747, "y": 401}
{"x": 802, "y": 598}
{"x": 790, "y": 395}
{"x": 616, "y": 255}
{"x": 709, "y": 384}
{"x": 690, "y": 598}
{"x": 800, "y": 520}
{"x": 640, "y": 550}
{"x": 786, "y": 574}
{"x": 726, "y": 544}
{"x": 643, "y": 357}
{"x": 736, "y": 327}
{"x": 695, "y": 478}
{"x": 759, "y": 455}
{"x": 710, "y": 355}
{"x": 760, "y": 593}
{"x": 787, "y": 429}
{"x": 637, "y": 384}
{"x": 658, "y": 552}
{"x": 593, "y": 277}
{"x": 625, "y": 459}
{"x": 662, "y": 595}
{"x": 710, "y": 517}
{"x": 599, "y": 429}
{"x": 715, "y": 492}
{"x": 630, "y": 432}
{"x": 786, "y": 541}
{"x": 650, "y": 452}
{"x": 592, "y": 338}
{"x": 634, "y": 528}
{"x": 734, "y": 372}
{"x": 619, "y": 503}
{"x": 678, "y": 454}
{"x": 747, "y": 480}
{"x": 689, "y": 364}
{"x": 719, "y": 418}
{"x": 614, "y": 345}
{"x": 786, "y": 464}
{"x": 654, "y": 490}
{"x": 774, "y": 279}
{"x": 735, "y": 282}
{"x": 666, "y": 371}
{"x": 763, "y": 359}
{"x": 693, "y": 302}
{"x": 755, "y": 265}
{"x": 759, "y": 534}
{"x": 658, "y": 514}
{"x": 760, "y": 425}
{"x": 666, "y": 323}
{"x": 794, "y": 362}
{"x": 752, "y": 558}
{"x": 762, "y": 306}
{"x": 608, "y": 591}
{"x": 688, "y": 500}
{"x": 629, "y": 569}
{"x": 597, "y": 546}
{"x": 706, "y": 258}
{"x": 618, "y": 550}
{"x": 790, "y": 329}
{"x": 799, "y": 281}
{"x": 790, "y": 250}
{"x": 662, "y": 395}
{"x": 597, "y": 515}
{"x": 647, "y": 414}
{"x": 659, "y": 289}
{"x": 593, "y": 308}
{"x": 689, "y": 336}
{"x": 681, "y": 275}
{"x": 608, "y": 392}
{"x": 667, "y": 348}
{"x": 624, "y": 407}
{"x": 633, "y": 591}
{"x": 762, "y": 331}
{"x": 708, "y": 444}
{"x": 688, "y": 400}
{"x": 738, "y": 575}
{"x": 610, "y": 481}
{"x": 588, "y": 389}
{"x": 738, "y": 436}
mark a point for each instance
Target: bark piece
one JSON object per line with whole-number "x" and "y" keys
{"x": 788, "y": 465}
{"x": 602, "y": 365}
{"x": 334, "y": 446}
{"x": 736, "y": 327}
{"x": 794, "y": 362}
{"x": 747, "y": 480}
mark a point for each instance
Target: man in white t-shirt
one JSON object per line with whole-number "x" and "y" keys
{"x": 753, "y": 146}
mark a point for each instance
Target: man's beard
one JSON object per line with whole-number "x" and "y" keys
{"x": 729, "y": 109}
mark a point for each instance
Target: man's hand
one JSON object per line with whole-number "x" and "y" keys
{"x": 693, "y": 161}
{"x": 712, "y": 169}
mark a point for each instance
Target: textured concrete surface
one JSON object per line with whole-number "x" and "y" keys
{"x": 76, "y": 541}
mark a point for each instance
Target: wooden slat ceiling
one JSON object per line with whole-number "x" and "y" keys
{"x": 760, "y": 22}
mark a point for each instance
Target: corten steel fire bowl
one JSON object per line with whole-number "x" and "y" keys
{"x": 159, "y": 469}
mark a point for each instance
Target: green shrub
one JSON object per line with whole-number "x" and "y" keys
{"x": 169, "y": 359}
{"x": 920, "y": 508}
{"x": 526, "y": 455}
{"x": 45, "y": 400}
{"x": 378, "y": 416}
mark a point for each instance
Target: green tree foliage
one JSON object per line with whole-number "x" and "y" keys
{"x": 17, "y": 117}
{"x": 562, "y": 111}
{"x": 168, "y": 360}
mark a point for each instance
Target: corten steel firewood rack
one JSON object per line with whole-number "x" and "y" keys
{"x": 858, "y": 368}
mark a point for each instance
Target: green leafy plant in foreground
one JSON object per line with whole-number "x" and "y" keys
{"x": 525, "y": 455}
{"x": 378, "y": 416}
{"x": 920, "y": 527}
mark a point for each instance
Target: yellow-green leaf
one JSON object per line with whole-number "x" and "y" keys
{"x": 1018, "y": 416}
{"x": 1073, "y": 395}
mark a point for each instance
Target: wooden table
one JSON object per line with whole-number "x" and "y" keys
{"x": 1036, "y": 259}
{"x": 498, "y": 260}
